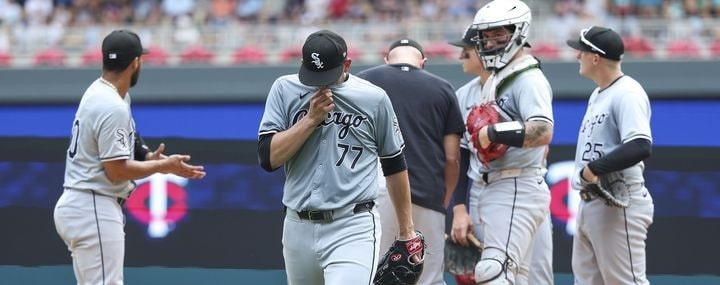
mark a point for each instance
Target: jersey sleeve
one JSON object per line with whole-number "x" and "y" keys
{"x": 274, "y": 118}
{"x": 461, "y": 97}
{"x": 454, "y": 123}
{"x": 534, "y": 99}
{"x": 633, "y": 115}
{"x": 389, "y": 138}
{"x": 115, "y": 137}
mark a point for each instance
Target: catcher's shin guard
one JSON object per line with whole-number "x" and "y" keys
{"x": 491, "y": 269}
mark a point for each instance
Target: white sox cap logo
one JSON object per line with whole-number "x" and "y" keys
{"x": 316, "y": 60}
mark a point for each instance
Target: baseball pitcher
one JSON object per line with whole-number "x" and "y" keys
{"x": 328, "y": 128}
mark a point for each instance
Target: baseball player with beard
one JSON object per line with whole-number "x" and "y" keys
{"x": 328, "y": 128}
{"x": 615, "y": 136}
{"x": 540, "y": 263}
{"x": 509, "y": 195}
{"x": 105, "y": 155}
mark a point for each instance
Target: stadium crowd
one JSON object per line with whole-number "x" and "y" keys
{"x": 27, "y": 26}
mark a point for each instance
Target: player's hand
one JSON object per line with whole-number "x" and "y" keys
{"x": 461, "y": 225}
{"x": 157, "y": 154}
{"x": 321, "y": 104}
{"x": 408, "y": 236}
{"x": 177, "y": 164}
{"x": 483, "y": 138}
{"x": 588, "y": 175}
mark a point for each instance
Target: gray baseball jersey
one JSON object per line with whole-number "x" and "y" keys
{"x": 527, "y": 98}
{"x": 87, "y": 215}
{"x": 618, "y": 114}
{"x": 337, "y": 165}
{"x": 609, "y": 245}
{"x": 103, "y": 130}
{"x": 468, "y": 96}
{"x": 540, "y": 262}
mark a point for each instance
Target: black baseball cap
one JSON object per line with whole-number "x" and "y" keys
{"x": 324, "y": 54}
{"x": 121, "y": 47}
{"x": 600, "y": 40}
{"x": 467, "y": 39}
{"x": 406, "y": 42}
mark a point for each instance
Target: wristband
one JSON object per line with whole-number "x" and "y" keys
{"x": 508, "y": 133}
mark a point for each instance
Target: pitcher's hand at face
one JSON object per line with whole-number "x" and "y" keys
{"x": 321, "y": 104}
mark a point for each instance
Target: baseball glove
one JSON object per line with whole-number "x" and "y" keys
{"x": 485, "y": 115}
{"x": 396, "y": 267}
{"x": 611, "y": 188}
{"x": 460, "y": 261}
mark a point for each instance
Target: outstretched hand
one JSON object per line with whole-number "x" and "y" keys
{"x": 176, "y": 164}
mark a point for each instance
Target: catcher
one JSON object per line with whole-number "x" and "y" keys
{"x": 402, "y": 264}
{"x": 509, "y": 198}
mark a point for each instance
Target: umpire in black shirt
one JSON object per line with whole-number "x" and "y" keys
{"x": 431, "y": 125}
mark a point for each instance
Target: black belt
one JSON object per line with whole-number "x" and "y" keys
{"x": 327, "y": 215}
{"x": 119, "y": 200}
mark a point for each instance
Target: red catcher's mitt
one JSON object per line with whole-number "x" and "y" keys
{"x": 485, "y": 115}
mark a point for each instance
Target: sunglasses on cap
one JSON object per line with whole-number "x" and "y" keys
{"x": 587, "y": 42}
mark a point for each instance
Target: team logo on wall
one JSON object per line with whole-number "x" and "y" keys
{"x": 565, "y": 201}
{"x": 159, "y": 202}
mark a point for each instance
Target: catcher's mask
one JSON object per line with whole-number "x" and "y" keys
{"x": 503, "y": 27}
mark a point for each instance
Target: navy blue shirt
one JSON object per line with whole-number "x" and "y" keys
{"x": 427, "y": 110}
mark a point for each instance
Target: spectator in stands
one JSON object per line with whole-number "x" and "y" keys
{"x": 175, "y": 8}
{"x": 186, "y": 33}
{"x": 649, "y": 8}
{"x": 147, "y": 12}
{"x": 221, "y": 14}
{"x": 4, "y": 39}
{"x": 594, "y": 10}
{"x": 249, "y": 10}
{"x": 358, "y": 10}
{"x": 37, "y": 12}
{"x": 563, "y": 21}
{"x": 10, "y": 12}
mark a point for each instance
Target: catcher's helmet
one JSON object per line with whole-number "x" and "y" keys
{"x": 515, "y": 16}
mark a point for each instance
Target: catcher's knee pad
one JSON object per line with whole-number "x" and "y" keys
{"x": 492, "y": 268}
